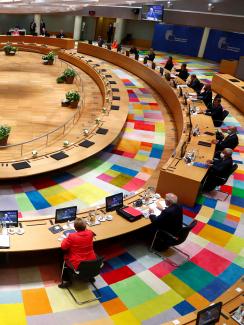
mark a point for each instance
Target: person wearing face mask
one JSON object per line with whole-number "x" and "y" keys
{"x": 218, "y": 168}
{"x": 170, "y": 218}
{"x": 230, "y": 141}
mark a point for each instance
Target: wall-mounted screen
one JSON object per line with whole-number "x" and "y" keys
{"x": 152, "y": 12}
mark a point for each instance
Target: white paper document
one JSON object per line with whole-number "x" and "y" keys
{"x": 4, "y": 241}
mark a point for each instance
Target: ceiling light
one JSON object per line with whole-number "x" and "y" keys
{"x": 210, "y": 6}
{"x": 169, "y": 4}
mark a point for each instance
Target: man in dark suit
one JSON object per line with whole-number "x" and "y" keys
{"x": 216, "y": 112}
{"x": 230, "y": 141}
{"x": 195, "y": 83}
{"x": 218, "y": 168}
{"x": 100, "y": 41}
{"x": 32, "y": 27}
{"x": 169, "y": 64}
{"x": 183, "y": 72}
{"x": 170, "y": 218}
{"x": 206, "y": 95}
{"x": 151, "y": 55}
{"x": 60, "y": 34}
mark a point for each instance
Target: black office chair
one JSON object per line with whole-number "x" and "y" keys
{"x": 218, "y": 123}
{"x": 145, "y": 60}
{"x": 173, "y": 241}
{"x": 86, "y": 272}
{"x": 223, "y": 180}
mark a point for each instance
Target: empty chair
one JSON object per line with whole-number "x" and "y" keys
{"x": 173, "y": 241}
{"x": 86, "y": 272}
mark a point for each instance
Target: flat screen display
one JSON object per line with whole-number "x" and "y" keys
{"x": 209, "y": 315}
{"x": 10, "y": 218}
{"x": 65, "y": 214}
{"x": 152, "y": 12}
{"x": 114, "y": 202}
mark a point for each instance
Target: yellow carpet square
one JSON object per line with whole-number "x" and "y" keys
{"x": 12, "y": 314}
{"x": 125, "y": 317}
{"x": 214, "y": 235}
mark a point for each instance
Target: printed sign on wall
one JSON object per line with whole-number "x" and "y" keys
{"x": 224, "y": 45}
{"x": 178, "y": 39}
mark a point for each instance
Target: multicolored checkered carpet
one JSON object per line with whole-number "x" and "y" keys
{"x": 137, "y": 287}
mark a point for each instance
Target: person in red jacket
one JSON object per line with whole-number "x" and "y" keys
{"x": 77, "y": 247}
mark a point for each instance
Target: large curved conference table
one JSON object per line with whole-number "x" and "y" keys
{"x": 175, "y": 175}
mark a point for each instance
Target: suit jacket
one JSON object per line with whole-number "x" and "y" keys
{"x": 206, "y": 97}
{"x": 168, "y": 66}
{"x": 183, "y": 74}
{"x": 170, "y": 219}
{"x": 221, "y": 167}
{"x": 216, "y": 113}
{"x": 195, "y": 84}
{"x": 231, "y": 141}
{"x": 151, "y": 56}
{"x": 78, "y": 247}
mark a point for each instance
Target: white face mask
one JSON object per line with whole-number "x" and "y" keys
{"x": 229, "y": 131}
{"x": 222, "y": 155}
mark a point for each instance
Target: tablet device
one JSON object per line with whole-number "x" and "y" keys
{"x": 65, "y": 214}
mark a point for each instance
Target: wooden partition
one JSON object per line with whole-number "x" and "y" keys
{"x": 63, "y": 43}
{"x": 228, "y": 66}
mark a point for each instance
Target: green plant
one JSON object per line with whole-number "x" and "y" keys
{"x": 69, "y": 73}
{"x": 49, "y": 57}
{"x": 4, "y": 131}
{"x": 60, "y": 80}
{"x": 73, "y": 96}
{"x": 9, "y": 48}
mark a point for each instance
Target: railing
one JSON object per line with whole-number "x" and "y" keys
{"x": 64, "y": 127}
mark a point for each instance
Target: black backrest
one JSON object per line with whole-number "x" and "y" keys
{"x": 145, "y": 60}
{"x": 225, "y": 113}
{"x": 184, "y": 232}
{"x": 89, "y": 269}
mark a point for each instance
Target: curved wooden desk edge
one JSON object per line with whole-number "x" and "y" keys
{"x": 64, "y": 43}
{"x": 147, "y": 74}
{"x": 114, "y": 122}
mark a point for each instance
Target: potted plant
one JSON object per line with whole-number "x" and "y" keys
{"x": 9, "y": 49}
{"x": 4, "y": 133}
{"x": 49, "y": 58}
{"x": 67, "y": 76}
{"x": 73, "y": 97}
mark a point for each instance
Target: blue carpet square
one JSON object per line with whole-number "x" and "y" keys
{"x": 127, "y": 258}
{"x": 231, "y": 274}
{"x": 184, "y": 308}
{"x": 211, "y": 203}
{"x": 37, "y": 200}
{"x": 107, "y": 294}
{"x": 116, "y": 263}
{"x": 124, "y": 170}
{"x": 214, "y": 289}
{"x": 237, "y": 201}
{"x": 62, "y": 177}
{"x": 106, "y": 267}
{"x": 221, "y": 226}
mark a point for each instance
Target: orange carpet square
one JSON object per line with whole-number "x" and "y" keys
{"x": 114, "y": 306}
{"x": 197, "y": 301}
{"x": 36, "y": 302}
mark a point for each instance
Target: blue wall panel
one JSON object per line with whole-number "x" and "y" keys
{"x": 224, "y": 45}
{"x": 177, "y": 39}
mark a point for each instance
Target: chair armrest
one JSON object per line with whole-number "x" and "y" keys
{"x": 168, "y": 234}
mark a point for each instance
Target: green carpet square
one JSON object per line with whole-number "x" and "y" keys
{"x": 121, "y": 180}
{"x": 218, "y": 216}
{"x": 238, "y": 192}
{"x": 193, "y": 275}
{"x": 133, "y": 291}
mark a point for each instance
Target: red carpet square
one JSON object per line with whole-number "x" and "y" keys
{"x": 161, "y": 269}
{"x": 118, "y": 275}
{"x": 211, "y": 262}
{"x": 199, "y": 226}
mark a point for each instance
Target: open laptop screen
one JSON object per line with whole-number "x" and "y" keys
{"x": 114, "y": 202}
{"x": 209, "y": 315}
{"x": 10, "y": 218}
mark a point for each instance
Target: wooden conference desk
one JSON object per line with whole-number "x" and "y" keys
{"x": 63, "y": 43}
{"x": 176, "y": 176}
{"x": 231, "y": 300}
{"x": 38, "y": 237}
{"x": 230, "y": 88}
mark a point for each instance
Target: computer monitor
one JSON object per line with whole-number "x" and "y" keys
{"x": 65, "y": 214}
{"x": 114, "y": 202}
{"x": 209, "y": 315}
{"x": 10, "y": 218}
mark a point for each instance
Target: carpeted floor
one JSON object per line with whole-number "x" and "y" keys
{"x": 137, "y": 287}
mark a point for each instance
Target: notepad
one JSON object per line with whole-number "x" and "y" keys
{"x": 4, "y": 241}
{"x": 201, "y": 165}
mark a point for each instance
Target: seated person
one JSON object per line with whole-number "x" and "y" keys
{"x": 195, "y": 83}
{"x": 151, "y": 14}
{"x": 151, "y": 55}
{"x": 170, "y": 219}
{"x": 218, "y": 168}
{"x": 183, "y": 72}
{"x": 60, "y": 34}
{"x": 15, "y": 32}
{"x": 115, "y": 44}
{"x": 216, "y": 111}
{"x": 100, "y": 41}
{"x": 206, "y": 95}
{"x": 77, "y": 247}
{"x": 134, "y": 50}
{"x": 169, "y": 64}
{"x": 230, "y": 141}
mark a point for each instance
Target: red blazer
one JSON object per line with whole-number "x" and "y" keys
{"x": 78, "y": 247}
